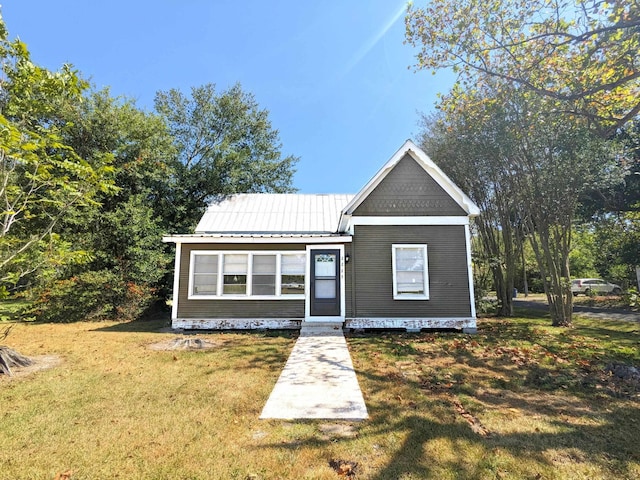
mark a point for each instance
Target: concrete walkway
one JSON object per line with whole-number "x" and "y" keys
{"x": 318, "y": 380}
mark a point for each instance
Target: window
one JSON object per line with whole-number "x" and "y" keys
{"x": 235, "y": 274}
{"x": 263, "y": 280}
{"x": 410, "y": 272}
{"x": 205, "y": 274}
{"x": 249, "y": 275}
{"x": 293, "y": 269}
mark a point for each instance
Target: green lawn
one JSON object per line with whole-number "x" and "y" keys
{"x": 518, "y": 400}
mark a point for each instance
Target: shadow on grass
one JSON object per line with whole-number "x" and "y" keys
{"x": 610, "y": 441}
{"x": 517, "y": 365}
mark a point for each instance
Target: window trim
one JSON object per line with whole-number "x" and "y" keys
{"x": 425, "y": 272}
{"x": 248, "y": 295}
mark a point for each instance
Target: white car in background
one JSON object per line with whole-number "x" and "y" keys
{"x": 587, "y": 286}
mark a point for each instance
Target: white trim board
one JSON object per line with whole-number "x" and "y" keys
{"x": 257, "y": 239}
{"x": 176, "y": 282}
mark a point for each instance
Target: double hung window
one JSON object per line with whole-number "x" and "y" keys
{"x": 410, "y": 272}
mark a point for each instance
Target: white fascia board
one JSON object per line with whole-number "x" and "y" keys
{"x": 256, "y": 239}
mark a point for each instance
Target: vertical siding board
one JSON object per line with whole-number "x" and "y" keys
{"x": 409, "y": 190}
{"x": 448, "y": 275}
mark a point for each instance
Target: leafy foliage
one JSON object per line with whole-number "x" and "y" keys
{"x": 124, "y": 231}
{"x": 526, "y": 169}
{"x": 225, "y": 145}
{"x": 42, "y": 178}
{"x": 580, "y": 54}
{"x": 89, "y": 183}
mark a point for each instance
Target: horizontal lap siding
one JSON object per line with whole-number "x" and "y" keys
{"x": 348, "y": 281}
{"x": 448, "y": 274}
{"x": 233, "y": 308}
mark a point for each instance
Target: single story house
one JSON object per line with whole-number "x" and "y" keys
{"x": 397, "y": 254}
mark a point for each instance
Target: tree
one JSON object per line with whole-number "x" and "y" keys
{"x": 580, "y": 55}
{"x": 225, "y": 145}
{"x": 466, "y": 146}
{"x": 123, "y": 232}
{"x": 41, "y": 177}
{"x": 527, "y": 168}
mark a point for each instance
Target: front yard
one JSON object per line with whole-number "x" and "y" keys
{"x": 518, "y": 400}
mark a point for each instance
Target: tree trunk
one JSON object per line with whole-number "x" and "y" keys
{"x": 10, "y": 358}
{"x": 557, "y": 286}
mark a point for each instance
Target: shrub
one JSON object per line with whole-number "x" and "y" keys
{"x": 92, "y": 295}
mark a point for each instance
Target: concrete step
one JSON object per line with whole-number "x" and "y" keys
{"x": 320, "y": 328}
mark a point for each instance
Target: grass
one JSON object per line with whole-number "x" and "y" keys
{"x": 12, "y": 310}
{"x": 518, "y": 400}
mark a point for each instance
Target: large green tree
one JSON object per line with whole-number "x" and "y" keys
{"x": 225, "y": 144}
{"x": 528, "y": 169}
{"x": 123, "y": 232}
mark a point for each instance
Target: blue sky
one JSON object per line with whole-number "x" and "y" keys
{"x": 335, "y": 75}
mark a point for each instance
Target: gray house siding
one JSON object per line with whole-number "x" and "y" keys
{"x": 447, "y": 268}
{"x": 409, "y": 191}
{"x": 230, "y": 309}
{"x": 348, "y": 281}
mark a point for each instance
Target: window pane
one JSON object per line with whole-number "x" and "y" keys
{"x": 235, "y": 284}
{"x": 410, "y": 275}
{"x": 205, "y": 263}
{"x": 235, "y": 263}
{"x": 292, "y": 285}
{"x": 205, "y": 284}
{"x": 293, "y": 264}
{"x": 409, "y": 259}
{"x": 263, "y": 285}
{"x": 264, "y": 264}
{"x": 410, "y": 282}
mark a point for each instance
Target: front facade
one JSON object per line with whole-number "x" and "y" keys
{"x": 395, "y": 255}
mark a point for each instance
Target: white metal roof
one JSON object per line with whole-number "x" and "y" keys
{"x": 274, "y": 213}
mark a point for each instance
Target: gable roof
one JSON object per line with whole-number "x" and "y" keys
{"x": 262, "y": 214}
{"x": 410, "y": 148}
{"x": 258, "y": 213}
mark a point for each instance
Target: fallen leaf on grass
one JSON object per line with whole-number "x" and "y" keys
{"x": 64, "y": 475}
{"x": 344, "y": 468}
{"x": 473, "y": 422}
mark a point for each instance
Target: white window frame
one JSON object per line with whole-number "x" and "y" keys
{"x": 425, "y": 273}
{"x": 248, "y": 295}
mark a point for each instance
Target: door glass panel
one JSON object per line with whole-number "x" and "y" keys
{"x": 325, "y": 265}
{"x": 325, "y": 289}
